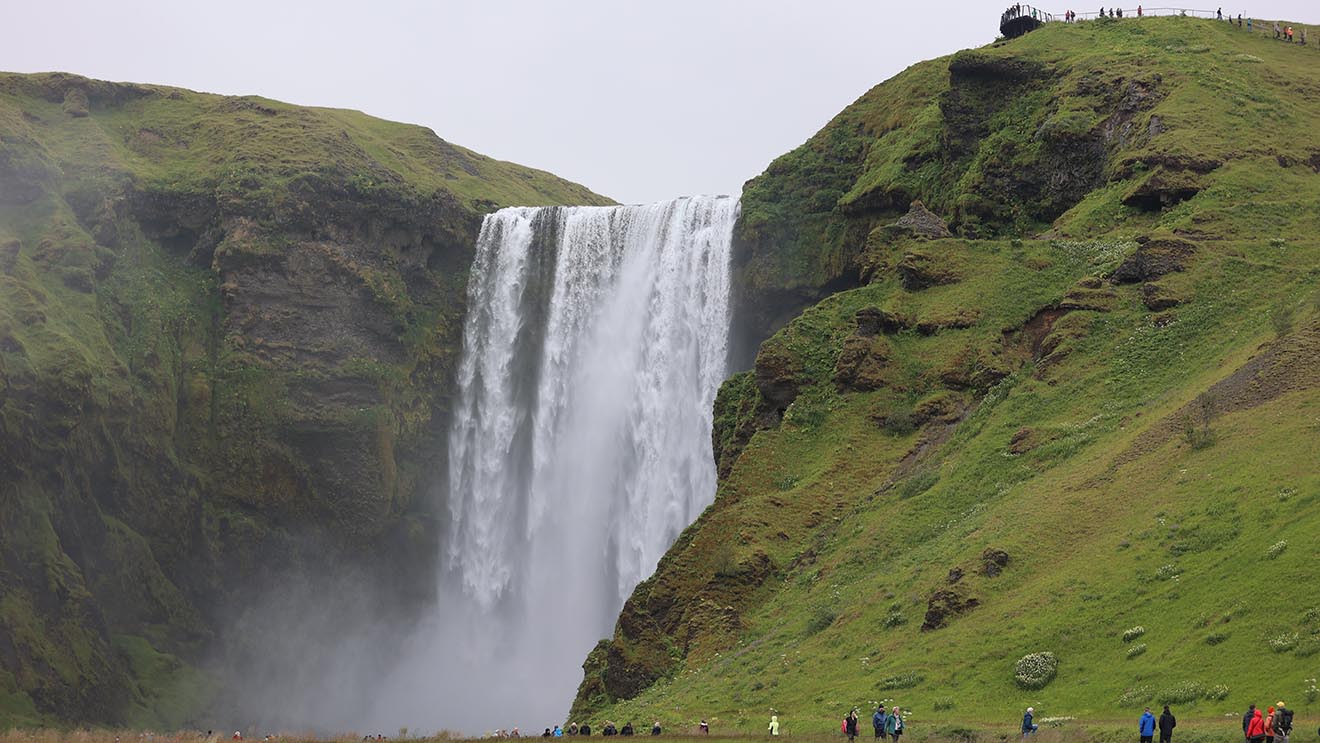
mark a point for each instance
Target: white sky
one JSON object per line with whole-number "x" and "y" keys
{"x": 638, "y": 100}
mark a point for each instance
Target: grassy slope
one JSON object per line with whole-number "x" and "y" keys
{"x": 1111, "y": 518}
{"x": 110, "y": 545}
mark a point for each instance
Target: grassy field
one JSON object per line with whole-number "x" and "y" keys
{"x": 1144, "y": 452}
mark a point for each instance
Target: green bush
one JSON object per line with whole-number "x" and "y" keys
{"x": 820, "y": 620}
{"x": 900, "y": 681}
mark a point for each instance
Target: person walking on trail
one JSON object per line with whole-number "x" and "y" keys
{"x": 655, "y": 728}
{"x": 1283, "y": 717}
{"x": 1028, "y": 725}
{"x": 1256, "y": 727}
{"x": 1277, "y": 32}
{"x": 1140, "y": 12}
{"x": 774, "y": 725}
{"x": 850, "y": 725}
{"x": 894, "y": 724}
{"x": 1146, "y": 726}
{"x": 704, "y": 728}
{"x": 1219, "y": 14}
{"x": 878, "y": 722}
{"x": 1251, "y": 710}
{"x": 1167, "y": 723}
{"x": 1269, "y": 725}
{"x": 1290, "y": 35}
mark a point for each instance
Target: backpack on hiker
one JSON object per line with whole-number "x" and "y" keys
{"x": 1283, "y": 721}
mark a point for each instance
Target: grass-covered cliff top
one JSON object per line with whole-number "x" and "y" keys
{"x": 1086, "y": 423}
{"x": 173, "y": 136}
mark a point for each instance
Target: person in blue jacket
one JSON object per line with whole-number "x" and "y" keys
{"x": 1147, "y": 726}
{"x": 878, "y": 721}
{"x": 1029, "y": 727}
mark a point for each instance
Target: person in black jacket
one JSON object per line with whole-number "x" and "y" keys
{"x": 851, "y": 725}
{"x": 585, "y": 729}
{"x": 1283, "y": 719}
{"x": 1167, "y": 724}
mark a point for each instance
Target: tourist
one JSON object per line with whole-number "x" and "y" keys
{"x": 1239, "y": 20}
{"x": 1139, "y": 11}
{"x": 878, "y": 721}
{"x": 655, "y": 728}
{"x": 585, "y": 729}
{"x": 1119, "y": 11}
{"x": 1303, "y": 44}
{"x": 572, "y": 728}
{"x": 1256, "y": 727}
{"x": 1277, "y": 32}
{"x": 1251, "y": 708}
{"x": 850, "y": 725}
{"x": 627, "y": 728}
{"x": 1269, "y": 725}
{"x": 559, "y": 732}
{"x": 1290, "y": 35}
{"x": 1028, "y": 724}
{"x": 546, "y": 734}
{"x": 1219, "y": 14}
{"x": 1167, "y": 723}
{"x": 515, "y": 734}
{"x": 1146, "y": 725}
{"x": 1283, "y": 717}
{"x": 774, "y": 725}
{"x": 704, "y": 728}
{"x": 609, "y": 729}
{"x": 894, "y": 724}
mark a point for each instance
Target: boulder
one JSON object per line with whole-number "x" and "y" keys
{"x": 1158, "y": 297}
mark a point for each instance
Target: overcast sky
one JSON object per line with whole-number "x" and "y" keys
{"x": 640, "y": 101}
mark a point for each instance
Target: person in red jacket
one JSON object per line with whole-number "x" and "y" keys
{"x": 1256, "y": 728}
{"x": 1269, "y": 725}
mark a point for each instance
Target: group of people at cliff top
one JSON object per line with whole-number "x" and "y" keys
{"x": 1282, "y": 32}
{"x": 885, "y": 724}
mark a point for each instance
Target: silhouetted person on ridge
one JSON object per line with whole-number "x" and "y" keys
{"x": 1119, "y": 11}
{"x": 546, "y": 734}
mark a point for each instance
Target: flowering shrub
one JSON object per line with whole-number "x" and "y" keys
{"x": 1135, "y": 696}
{"x": 1283, "y": 643}
{"x": 1166, "y": 572}
{"x": 1218, "y": 693}
{"x": 1312, "y": 691}
{"x": 1133, "y": 633}
{"x": 1276, "y": 549}
{"x": 1136, "y": 650}
{"x": 1184, "y": 693}
{"x": 1035, "y": 670}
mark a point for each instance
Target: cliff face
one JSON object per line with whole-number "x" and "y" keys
{"x": 227, "y": 327}
{"x": 1068, "y": 394}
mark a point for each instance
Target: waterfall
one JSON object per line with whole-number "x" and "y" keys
{"x": 594, "y": 345}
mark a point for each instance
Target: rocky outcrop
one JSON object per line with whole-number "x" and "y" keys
{"x": 920, "y": 222}
{"x": 1156, "y": 257}
{"x": 922, "y": 270}
{"x": 944, "y": 605}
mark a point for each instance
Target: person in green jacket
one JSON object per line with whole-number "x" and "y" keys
{"x": 894, "y": 724}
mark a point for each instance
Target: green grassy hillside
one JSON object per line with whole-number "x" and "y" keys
{"x": 226, "y": 332}
{"x": 1087, "y": 423}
